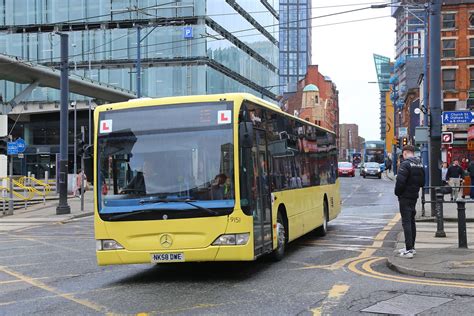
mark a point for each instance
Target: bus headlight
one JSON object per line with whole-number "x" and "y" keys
{"x": 232, "y": 239}
{"x": 107, "y": 244}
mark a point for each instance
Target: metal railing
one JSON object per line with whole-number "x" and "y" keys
{"x": 27, "y": 185}
{"x": 438, "y": 212}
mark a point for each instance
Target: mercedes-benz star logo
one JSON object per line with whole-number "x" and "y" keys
{"x": 166, "y": 240}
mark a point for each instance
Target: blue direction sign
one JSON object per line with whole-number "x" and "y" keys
{"x": 12, "y": 148}
{"x": 21, "y": 145}
{"x": 458, "y": 117}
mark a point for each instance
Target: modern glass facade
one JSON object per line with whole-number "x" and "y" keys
{"x": 408, "y": 48}
{"x": 295, "y": 42}
{"x": 383, "y": 69}
{"x": 187, "y": 47}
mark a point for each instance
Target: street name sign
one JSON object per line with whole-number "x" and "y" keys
{"x": 458, "y": 117}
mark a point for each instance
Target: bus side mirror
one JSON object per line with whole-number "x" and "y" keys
{"x": 246, "y": 134}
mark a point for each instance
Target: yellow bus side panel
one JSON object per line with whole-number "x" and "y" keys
{"x": 304, "y": 208}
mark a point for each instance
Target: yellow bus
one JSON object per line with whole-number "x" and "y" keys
{"x": 226, "y": 177}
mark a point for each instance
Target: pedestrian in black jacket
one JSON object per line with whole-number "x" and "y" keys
{"x": 455, "y": 177}
{"x": 410, "y": 178}
{"x": 470, "y": 169}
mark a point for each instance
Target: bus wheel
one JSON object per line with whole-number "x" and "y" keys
{"x": 279, "y": 252}
{"x": 323, "y": 229}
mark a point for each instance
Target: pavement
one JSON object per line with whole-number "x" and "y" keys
{"x": 45, "y": 213}
{"x": 438, "y": 257}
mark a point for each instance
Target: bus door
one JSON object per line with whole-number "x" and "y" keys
{"x": 262, "y": 218}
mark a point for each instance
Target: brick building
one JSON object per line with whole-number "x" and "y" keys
{"x": 457, "y": 67}
{"x": 348, "y": 141}
{"x": 316, "y": 100}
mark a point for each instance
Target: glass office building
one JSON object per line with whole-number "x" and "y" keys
{"x": 295, "y": 42}
{"x": 187, "y": 47}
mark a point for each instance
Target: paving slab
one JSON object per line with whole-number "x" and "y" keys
{"x": 406, "y": 304}
{"x": 447, "y": 263}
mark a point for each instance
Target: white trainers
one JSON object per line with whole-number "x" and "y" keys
{"x": 404, "y": 250}
{"x": 407, "y": 254}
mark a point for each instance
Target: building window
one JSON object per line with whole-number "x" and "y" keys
{"x": 471, "y": 19}
{"x": 471, "y": 79}
{"x": 449, "y": 48}
{"x": 449, "y": 79}
{"x": 449, "y": 21}
{"x": 449, "y": 106}
{"x": 471, "y": 47}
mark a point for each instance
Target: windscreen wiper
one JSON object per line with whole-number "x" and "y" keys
{"x": 187, "y": 201}
{"x": 200, "y": 207}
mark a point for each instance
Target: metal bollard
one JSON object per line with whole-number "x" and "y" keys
{"x": 462, "y": 234}
{"x": 439, "y": 213}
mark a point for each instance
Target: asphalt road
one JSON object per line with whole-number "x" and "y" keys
{"x": 51, "y": 270}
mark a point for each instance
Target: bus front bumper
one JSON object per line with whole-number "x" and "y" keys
{"x": 211, "y": 253}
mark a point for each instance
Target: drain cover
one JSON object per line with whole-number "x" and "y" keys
{"x": 406, "y": 304}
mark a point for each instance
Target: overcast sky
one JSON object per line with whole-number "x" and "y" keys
{"x": 344, "y": 52}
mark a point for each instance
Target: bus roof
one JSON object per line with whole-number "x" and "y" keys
{"x": 202, "y": 98}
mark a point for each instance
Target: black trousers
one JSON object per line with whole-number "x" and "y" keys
{"x": 408, "y": 212}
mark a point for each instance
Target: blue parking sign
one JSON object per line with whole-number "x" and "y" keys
{"x": 188, "y": 32}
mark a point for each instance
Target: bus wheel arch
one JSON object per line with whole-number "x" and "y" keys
{"x": 282, "y": 234}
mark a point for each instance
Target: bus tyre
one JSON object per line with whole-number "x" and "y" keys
{"x": 279, "y": 252}
{"x": 323, "y": 229}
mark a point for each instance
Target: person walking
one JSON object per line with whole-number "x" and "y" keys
{"x": 470, "y": 169}
{"x": 444, "y": 172}
{"x": 410, "y": 178}
{"x": 455, "y": 177}
{"x": 388, "y": 165}
{"x": 464, "y": 164}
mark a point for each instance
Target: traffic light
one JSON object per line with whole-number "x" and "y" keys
{"x": 404, "y": 141}
{"x": 397, "y": 142}
{"x": 3, "y": 145}
{"x": 80, "y": 144}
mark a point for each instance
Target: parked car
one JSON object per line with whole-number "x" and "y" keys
{"x": 371, "y": 169}
{"x": 346, "y": 169}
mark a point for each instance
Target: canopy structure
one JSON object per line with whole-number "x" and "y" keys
{"x": 20, "y": 71}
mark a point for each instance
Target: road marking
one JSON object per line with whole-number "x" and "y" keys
{"x": 41, "y": 285}
{"x": 366, "y": 253}
{"x": 366, "y": 270}
{"x": 378, "y": 240}
{"x": 350, "y": 194}
{"x": 334, "y": 296}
